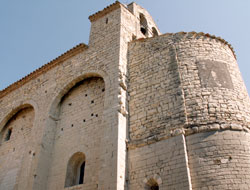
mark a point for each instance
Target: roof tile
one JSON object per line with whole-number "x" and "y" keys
{"x": 79, "y": 48}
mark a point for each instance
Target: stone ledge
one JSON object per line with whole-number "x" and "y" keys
{"x": 186, "y": 131}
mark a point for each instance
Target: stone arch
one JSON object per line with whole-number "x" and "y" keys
{"x": 143, "y": 24}
{"x": 151, "y": 185}
{"x": 72, "y": 114}
{"x": 75, "y": 169}
{"x": 19, "y": 107}
{"x": 85, "y": 99}
{"x": 53, "y": 112}
{"x": 18, "y": 125}
{"x": 152, "y": 182}
{"x": 16, "y": 108}
{"x": 12, "y": 125}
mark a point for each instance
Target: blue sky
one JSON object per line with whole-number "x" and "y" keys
{"x": 33, "y": 33}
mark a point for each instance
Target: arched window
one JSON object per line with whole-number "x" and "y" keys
{"x": 154, "y": 31}
{"x": 143, "y": 25}
{"x": 152, "y": 185}
{"x": 19, "y": 125}
{"x": 75, "y": 170}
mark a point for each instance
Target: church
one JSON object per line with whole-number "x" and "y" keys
{"x": 134, "y": 109}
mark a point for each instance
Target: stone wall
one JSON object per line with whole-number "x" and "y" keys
{"x": 219, "y": 160}
{"x": 187, "y": 83}
{"x": 105, "y": 57}
{"x": 156, "y": 101}
{"x": 184, "y": 80}
{"x": 164, "y": 161}
{"x": 79, "y": 129}
{"x": 212, "y": 84}
{"x": 45, "y": 92}
{"x": 14, "y": 153}
{"x": 171, "y": 109}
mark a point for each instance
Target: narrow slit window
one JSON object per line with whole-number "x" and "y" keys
{"x": 82, "y": 168}
{"x": 8, "y": 135}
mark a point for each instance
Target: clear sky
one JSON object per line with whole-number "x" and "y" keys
{"x": 32, "y": 33}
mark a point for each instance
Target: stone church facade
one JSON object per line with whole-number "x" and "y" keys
{"x": 134, "y": 109}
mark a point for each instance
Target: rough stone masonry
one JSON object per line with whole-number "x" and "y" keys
{"x": 134, "y": 109}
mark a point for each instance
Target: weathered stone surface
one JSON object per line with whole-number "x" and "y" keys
{"x": 134, "y": 109}
{"x": 214, "y": 74}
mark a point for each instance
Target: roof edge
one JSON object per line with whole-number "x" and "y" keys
{"x": 193, "y": 35}
{"x": 105, "y": 11}
{"x": 68, "y": 54}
